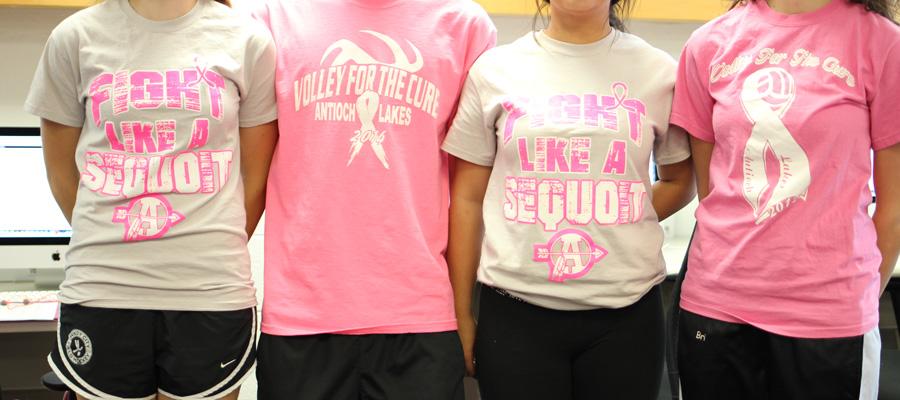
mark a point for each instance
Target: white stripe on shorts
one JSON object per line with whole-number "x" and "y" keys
{"x": 871, "y": 364}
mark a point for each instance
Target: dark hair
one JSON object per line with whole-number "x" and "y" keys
{"x": 889, "y": 9}
{"x": 618, "y": 9}
{"x": 225, "y": 2}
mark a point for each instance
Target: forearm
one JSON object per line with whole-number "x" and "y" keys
{"x": 675, "y": 188}
{"x": 59, "y": 145}
{"x": 257, "y": 148}
{"x": 887, "y": 227}
{"x": 887, "y": 208}
{"x": 64, "y": 187}
{"x": 254, "y": 202}
{"x": 464, "y": 251}
{"x": 671, "y": 196}
{"x": 701, "y": 153}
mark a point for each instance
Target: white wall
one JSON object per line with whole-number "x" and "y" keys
{"x": 23, "y": 32}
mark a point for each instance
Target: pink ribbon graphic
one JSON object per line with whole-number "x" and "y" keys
{"x": 366, "y": 107}
{"x": 766, "y": 96}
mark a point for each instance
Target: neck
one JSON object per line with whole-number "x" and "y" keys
{"x": 797, "y": 6}
{"x": 578, "y": 29}
{"x": 162, "y": 10}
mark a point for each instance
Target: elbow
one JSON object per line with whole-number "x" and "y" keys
{"x": 887, "y": 223}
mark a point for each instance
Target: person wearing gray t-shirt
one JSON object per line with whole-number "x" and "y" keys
{"x": 552, "y": 145}
{"x": 158, "y": 126}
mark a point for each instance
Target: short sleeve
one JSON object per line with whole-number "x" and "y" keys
{"x": 258, "y": 10}
{"x": 471, "y": 137}
{"x": 671, "y": 147}
{"x": 692, "y": 105}
{"x": 55, "y": 92}
{"x": 482, "y": 36}
{"x": 258, "y": 97}
{"x": 884, "y": 107}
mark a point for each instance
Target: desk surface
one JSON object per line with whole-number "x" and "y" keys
{"x": 675, "y": 248}
{"x": 27, "y": 326}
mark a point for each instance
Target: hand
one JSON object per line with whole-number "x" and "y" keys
{"x": 466, "y": 329}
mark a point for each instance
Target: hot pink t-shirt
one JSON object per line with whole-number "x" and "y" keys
{"x": 794, "y": 105}
{"x": 356, "y": 214}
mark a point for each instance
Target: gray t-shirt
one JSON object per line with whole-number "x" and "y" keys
{"x": 159, "y": 217}
{"x": 569, "y": 130}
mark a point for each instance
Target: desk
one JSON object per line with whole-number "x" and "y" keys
{"x": 23, "y": 357}
{"x": 27, "y": 326}
{"x": 23, "y": 353}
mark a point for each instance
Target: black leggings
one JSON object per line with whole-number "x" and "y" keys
{"x": 523, "y": 351}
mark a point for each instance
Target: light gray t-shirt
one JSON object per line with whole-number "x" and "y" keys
{"x": 159, "y": 221}
{"x": 569, "y": 130}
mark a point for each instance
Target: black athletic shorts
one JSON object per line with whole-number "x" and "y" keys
{"x": 722, "y": 360}
{"x": 410, "y": 366}
{"x": 133, "y": 354}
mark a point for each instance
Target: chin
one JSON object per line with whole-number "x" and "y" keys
{"x": 579, "y": 6}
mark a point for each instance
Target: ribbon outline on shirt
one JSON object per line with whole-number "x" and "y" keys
{"x": 760, "y": 90}
{"x": 366, "y": 107}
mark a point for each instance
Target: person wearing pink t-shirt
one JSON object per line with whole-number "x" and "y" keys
{"x": 358, "y": 302}
{"x": 785, "y": 102}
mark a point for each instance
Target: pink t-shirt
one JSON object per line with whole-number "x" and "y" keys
{"x": 356, "y": 225}
{"x": 794, "y": 105}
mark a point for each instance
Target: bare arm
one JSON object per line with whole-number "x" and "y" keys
{"x": 257, "y": 147}
{"x": 467, "y": 187}
{"x": 675, "y": 188}
{"x": 701, "y": 152}
{"x": 59, "y": 143}
{"x": 887, "y": 209}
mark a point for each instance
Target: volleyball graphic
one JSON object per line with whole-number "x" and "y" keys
{"x": 774, "y": 86}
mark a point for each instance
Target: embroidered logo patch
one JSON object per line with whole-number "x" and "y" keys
{"x": 78, "y": 347}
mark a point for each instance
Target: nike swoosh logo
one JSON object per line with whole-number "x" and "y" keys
{"x": 223, "y": 365}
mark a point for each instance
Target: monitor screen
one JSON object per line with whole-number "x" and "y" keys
{"x": 28, "y": 212}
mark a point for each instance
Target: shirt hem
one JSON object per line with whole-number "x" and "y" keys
{"x": 466, "y": 156}
{"x": 160, "y": 306}
{"x": 428, "y": 327}
{"x": 788, "y": 331}
{"x": 566, "y": 304}
{"x": 258, "y": 121}
{"x": 885, "y": 142}
{"x": 692, "y": 128}
{"x": 673, "y": 159}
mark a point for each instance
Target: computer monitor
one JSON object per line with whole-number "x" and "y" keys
{"x": 33, "y": 232}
